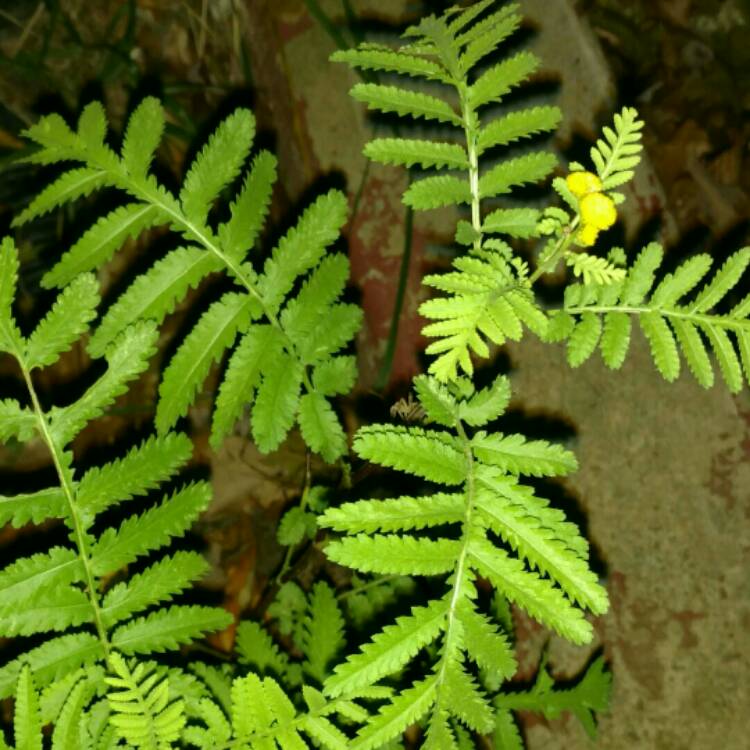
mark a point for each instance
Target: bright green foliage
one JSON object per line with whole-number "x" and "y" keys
{"x": 489, "y": 298}
{"x": 264, "y": 293}
{"x": 673, "y": 320}
{"x": 618, "y": 153}
{"x": 588, "y": 697}
{"x": 548, "y": 574}
{"x": 261, "y": 709}
{"x": 67, "y": 589}
{"x": 142, "y": 713}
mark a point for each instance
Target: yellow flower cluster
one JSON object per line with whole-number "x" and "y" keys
{"x": 597, "y": 209}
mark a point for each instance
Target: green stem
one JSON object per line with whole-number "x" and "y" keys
{"x": 303, "y": 506}
{"x": 562, "y": 247}
{"x": 460, "y": 570}
{"x": 470, "y": 131}
{"x": 79, "y": 533}
{"x": 696, "y": 318}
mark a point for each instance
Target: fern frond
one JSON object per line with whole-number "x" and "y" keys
{"x": 391, "y": 61}
{"x": 516, "y": 222}
{"x": 97, "y": 245}
{"x": 276, "y": 404}
{"x": 142, "y": 713}
{"x": 671, "y": 323}
{"x": 593, "y": 269}
{"x": 159, "y": 582}
{"x": 34, "y": 507}
{"x": 218, "y": 163}
{"x": 10, "y": 338}
{"x": 249, "y": 209}
{"x": 523, "y": 123}
{"x": 154, "y": 294}
{"x": 68, "y": 731}
{"x": 167, "y": 629}
{"x": 74, "y": 184}
{"x": 588, "y": 697}
{"x": 536, "y": 595}
{"x": 142, "y": 137}
{"x": 404, "y": 710}
{"x": 302, "y": 314}
{"x": 487, "y": 404}
{"x": 392, "y": 553}
{"x": 546, "y": 572}
{"x": 258, "y": 348}
{"x": 500, "y": 79}
{"x": 515, "y": 172}
{"x": 49, "y": 609}
{"x": 16, "y": 422}
{"x": 618, "y": 153}
{"x": 407, "y": 153}
{"x": 395, "y": 514}
{"x": 302, "y": 247}
{"x": 541, "y": 549}
{"x": 322, "y": 631}
{"x": 485, "y": 646}
{"x": 335, "y": 329}
{"x": 54, "y": 658}
{"x": 405, "y": 103}
{"x": 26, "y": 720}
{"x": 67, "y": 320}
{"x": 391, "y": 649}
{"x": 513, "y": 454}
{"x": 320, "y": 427}
{"x": 127, "y": 357}
{"x": 205, "y": 344}
{"x": 31, "y": 576}
{"x": 436, "y": 192}
{"x": 144, "y": 468}
{"x": 335, "y": 375}
{"x": 425, "y": 453}
{"x": 487, "y": 301}
{"x": 487, "y": 35}
{"x": 137, "y": 535}
{"x": 256, "y": 648}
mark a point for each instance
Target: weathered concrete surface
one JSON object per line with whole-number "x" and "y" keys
{"x": 665, "y": 486}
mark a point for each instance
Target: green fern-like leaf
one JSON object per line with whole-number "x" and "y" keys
{"x": 206, "y": 342}
{"x": 168, "y": 628}
{"x": 68, "y": 319}
{"x": 547, "y": 571}
{"x": 217, "y": 164}
{"x": 298, "y": 257}
{"x": 127, "y": 357}
{"x": 138, "y": 535}
{"x": 276, "y": 404}
{"x": 428, "y": 454}
{"x": 618, "y": 153}
{"x": 142, "y": 137}
{"x": 323, "y": 632}
{"x": 401, "y": 151}
{"x": 100, "y": 242}
{"x": 154, "y": 294}
{"x": 142, "y": 713}
{"x": 670, "y": 320}
{"x": 405, "y": 103}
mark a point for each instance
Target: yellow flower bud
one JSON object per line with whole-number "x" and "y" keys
{"x": 582, "y": 183}
{"x": 598, "y": 210}
{"x": 587, "y": 235}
